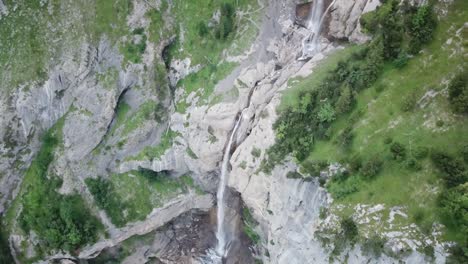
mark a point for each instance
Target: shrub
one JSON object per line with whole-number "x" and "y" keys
{"x": 105, "y": 196}
{"x": 409, "y": 103}
{"x": 314, "y": 167}
{"x": 373, "y": 246}
{"x": 293, "y": 175}
{"x": 412, "y": 163}
{"x": 349, "y": 229}
{"x": 388, "y": 140}
{"x": 340, "y": 176}
{"x": 202, "y": 29}
{"x": 420, "y": 152}
{"x": 458, "y": 93}
{"x": 326, "y": 113}
{"x": 226, "y": 23}
{"x": 464, "y": 153}
{"x": 345, "y": 101}
{"x": 256, "y": 152}
{"x": 355, "y": 163}
{"x": 428, "y": 250}
{"x": 341, "y": 189}
{"x": 398, "y": 151}
{"x": 345, "y": 138}
{"x": 249, "y": 225}
{"x": 5, "y": 254}
{"x": 453, "y": 170}
{"x": 401, "y": 61}
{"x": 372, "y": 167}
{"x": 423, "y": 24}
{"x": 458, "y": 254}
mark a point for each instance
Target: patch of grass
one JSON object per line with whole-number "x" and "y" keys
{"x": 109, "y": 79}
{"x": 191, "y": 153}
{"x": 155, "y": 152}
{"x": 249, "y": 226}
{"x": 203, "y": 83}
{"x": 134, "y": 48}
{"x": 147, "y": 111}
{"x": 36, "y": 34}
{"x": 132, "y": 196}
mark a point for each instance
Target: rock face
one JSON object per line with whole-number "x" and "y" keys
{"x": 344, "y": 19}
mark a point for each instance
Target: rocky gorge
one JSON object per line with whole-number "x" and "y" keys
{"x": 142, "y": 108}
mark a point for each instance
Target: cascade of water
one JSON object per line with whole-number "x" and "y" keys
{"x": 311, "y": 43}
{"x": 220, "y": 233}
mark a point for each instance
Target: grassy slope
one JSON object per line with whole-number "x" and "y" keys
{"x": 382, "y": 117}
{"x": 207, "y": 50}
{"x": 133, "y": 195}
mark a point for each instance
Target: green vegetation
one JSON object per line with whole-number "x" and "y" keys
{"x": 135, "y": 47}
{"x": 249, "y": 226}
{"x": 374, "y": 246}
{"x": 35, "y": 34}
{"x": 191, "y": 153}
{"x": 203, "y": 83}
{"x": 157, "y": 151}
{"x": 256, "y": 152}
{"x": 205, "y": 42}
{"x": 132, "y": 196}
{"x": 60, "y": 221}
{"x": 385, "y": 126}
{"x": 149, "y": 110}
{"x": 458, "y": 93}
{"x": 5, "y": 254}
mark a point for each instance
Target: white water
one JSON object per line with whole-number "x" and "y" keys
{"x": 311, "y": 43}
{"x": 220, "y": 233}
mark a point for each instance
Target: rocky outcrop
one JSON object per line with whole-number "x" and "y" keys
{"x": 344, "y": 19}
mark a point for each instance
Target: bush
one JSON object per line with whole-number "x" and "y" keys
{"x": 373, "y": 246}
{"x": 388, "y": 140}
{"x": 5, "y": 254}
{"x": 412, "y": 163}
{"x": 293, "y": 175}
{"x": 371, "y": 167}
{"x": 464, "y": 153}
{"x": 423, "y": 24}
{"x": 345, "y": 139}
{"x": 401, "y": 61}
{"x": 420, "y": 152}
{"x": 249, "y": 225}
{"x": 349, "y": 229}
{"x": 326, "y": 113}
{"x": 226, "y": 23}
{"x": 104, "y": 194}
{"x": 398, "y": 151}
{"x": 256, "y": 152}
{"x": 453, "y": 170}
{"x": 409, "y": 103}
{"x": 458, "y": 93}
{"x": 314, "y": 167}
{"x": 202, "y": 29}
{"x": 458, "y": 255}
{"x": 345, "y": 101}
{"x": 355, "y": 163}
{"x": 341, "y": 189}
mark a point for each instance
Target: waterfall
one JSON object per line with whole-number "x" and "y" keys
{"x": 220, "y": 233}
{"x": 311, "y": 43}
